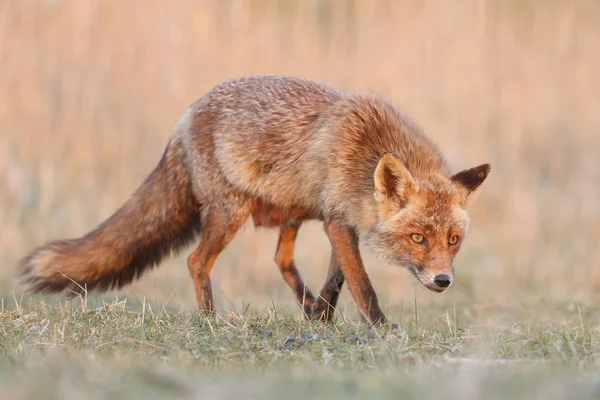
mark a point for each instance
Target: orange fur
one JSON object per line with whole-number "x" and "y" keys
{"x": 282, "y": 150}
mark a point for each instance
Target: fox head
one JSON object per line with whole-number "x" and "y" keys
{"x": 422, "y": 223}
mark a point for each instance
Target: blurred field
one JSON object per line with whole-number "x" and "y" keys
{"x": 90, "y": 90}
{"x": 89, "y": 93}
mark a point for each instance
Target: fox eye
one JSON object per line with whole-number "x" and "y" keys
{"x": 417, "y": 238}
{"x": 453, "y": 240}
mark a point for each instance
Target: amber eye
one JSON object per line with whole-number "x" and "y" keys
{"x": 417, "y": 238}
{"x": 453, "y": 240}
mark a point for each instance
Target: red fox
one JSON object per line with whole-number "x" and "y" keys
{"x": 282, "y": 150}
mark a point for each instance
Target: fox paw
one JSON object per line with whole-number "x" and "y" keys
{"x": 321, "y": 312}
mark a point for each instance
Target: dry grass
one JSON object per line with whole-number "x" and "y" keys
{"x": 90, "y": 90}
{"x": 155, "y": 351}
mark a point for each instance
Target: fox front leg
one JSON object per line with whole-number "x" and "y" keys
{"x": 324, "y": 306}
{"x": 344, "y": 242}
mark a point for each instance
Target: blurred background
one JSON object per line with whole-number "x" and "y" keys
{"x": 90, "y": 91}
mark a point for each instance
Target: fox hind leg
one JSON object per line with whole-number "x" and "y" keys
{"x": 284, "y": 257}
{"x": 220, "y": 226}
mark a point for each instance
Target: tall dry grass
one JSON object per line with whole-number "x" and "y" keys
{"x": 89, "y": 92}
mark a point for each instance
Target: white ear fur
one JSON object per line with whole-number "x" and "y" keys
{"x": 393, "y": 182}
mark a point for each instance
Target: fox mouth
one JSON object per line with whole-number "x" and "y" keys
{"x": 434, "y": 288}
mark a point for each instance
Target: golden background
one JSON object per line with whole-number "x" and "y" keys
{"x": 90, "y": 90}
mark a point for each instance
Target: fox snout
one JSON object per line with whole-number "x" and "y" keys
{"x": 438, "y": 283}
{"x": 436, "y": 280}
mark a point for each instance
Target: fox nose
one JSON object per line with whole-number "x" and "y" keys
{"x": 442, "y": 280}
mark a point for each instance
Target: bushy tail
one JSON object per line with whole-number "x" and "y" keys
{"x": 161, "y": 216}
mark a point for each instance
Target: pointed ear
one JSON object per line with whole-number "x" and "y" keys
{"x": 470, "y": 179}
{"x": 393, "y": 183}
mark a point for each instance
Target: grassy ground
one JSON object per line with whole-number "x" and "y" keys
{"x": 124, "y": 349}
{"x": 90, "y": 91}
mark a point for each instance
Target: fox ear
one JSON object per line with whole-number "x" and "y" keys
{"x": 393, "y": 183}
{"x": 469, "y": 180}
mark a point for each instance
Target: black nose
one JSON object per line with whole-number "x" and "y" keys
{"x": 442, "y": 280}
